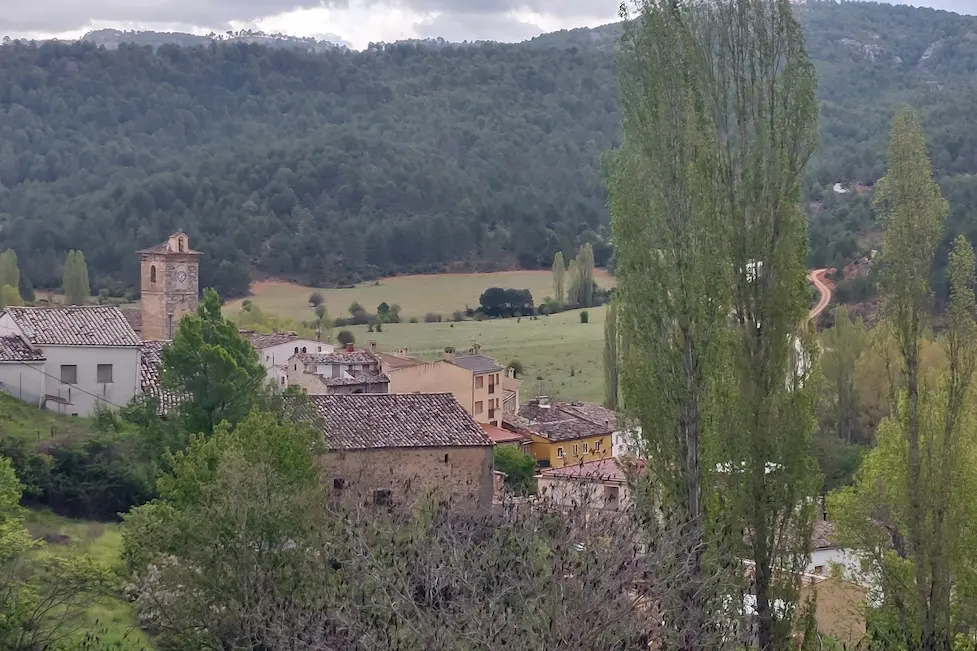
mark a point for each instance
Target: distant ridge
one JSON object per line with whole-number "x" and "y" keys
{"x": 112, "y": 38}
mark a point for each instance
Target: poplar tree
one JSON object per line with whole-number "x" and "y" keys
{"x": 75, "y": 279}
{"x": 559, "y": 278}
{"x": 9, "y": 270}
{"x": 912, "y": 510}
{"x": 843, "y": 347}
{"x": 582, "y": 277}
{"x": 611, "y": 359}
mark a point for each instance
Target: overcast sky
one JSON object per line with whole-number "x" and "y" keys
{"x": 358, "y": 22}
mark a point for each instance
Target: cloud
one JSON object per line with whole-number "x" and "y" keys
{"x": 476, "y": 27}
{"x": 53, "y": 16}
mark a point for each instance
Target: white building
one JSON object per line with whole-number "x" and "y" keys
{"x": 600, "y": 484}
{"x": 827, "y": 555}
{"x": 275, "y": 349}
{"x": 69, "y": 359}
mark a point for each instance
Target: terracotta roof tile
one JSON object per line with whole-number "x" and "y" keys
{"x": 260, "y": 340}
{"x": 610, "y": 469}
{"x": 823, "y": 535}
{"x": 499, "y": 435}
{"x": 396, "y": 361}
{"x": 563, "y": 421}
{"x": 364, "y": 421}
{"x": 15, "y": 349}
{"x": 150, "y": 376}
{"x": 134, "y": 317}
{"x": 96, "y": 325}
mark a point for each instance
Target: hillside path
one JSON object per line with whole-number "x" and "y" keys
{"x": 816, "y": 277}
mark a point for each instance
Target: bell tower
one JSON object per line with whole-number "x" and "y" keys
{"x": 169, "y": 285}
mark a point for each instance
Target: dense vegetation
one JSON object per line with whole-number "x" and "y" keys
{"x": 336, "y": 166}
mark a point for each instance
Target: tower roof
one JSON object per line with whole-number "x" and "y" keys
{"x": 172, "y": 246}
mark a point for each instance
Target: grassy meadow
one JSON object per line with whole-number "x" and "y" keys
{"x": 416, "y": 295}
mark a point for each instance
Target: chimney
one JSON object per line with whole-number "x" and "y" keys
{"x": 349, "y": 347}
{"x": 373, "y": 346}
{"x": 476, "y": 348}
{"x": 544, "y": 401}
{"x": 449, "y": 354}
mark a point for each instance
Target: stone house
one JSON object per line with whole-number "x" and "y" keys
{"x": 478, "y": 382}
{"x": 349, "y": 371}
{"x": 565, "y": 433}
{"x": 276, "y": 348}
{"x": 69, "y": 359}
{"x": 169, "y": 285}
{"x": 388, "y": 449}
{"x": 601, "y": 484}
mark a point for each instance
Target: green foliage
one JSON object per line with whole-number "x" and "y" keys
{"x": 498, "y": 302}
{"x": 252, "y": 317}
{"x": 315, "y": 299}
{"x": 582, "y": 283}
{"x": 584, "y": 316}
{"x": 74, "y": 281}
{"x": 559, "y": 277}
{"x": 519, "y": 469}
{"x": 345, "y": 337}
{"x": 612, "y": 359}
{"x": 843, "y": 346}
{"x": 9, "y": 295}
{"x": 212, "y": 363}
{"x": 9, "y": 270}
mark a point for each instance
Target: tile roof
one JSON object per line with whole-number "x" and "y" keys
{"x": 823, "y": 535}
{"x": 96, "y": 325}
{"x": 563, "y": 421}
{"x": 372, "y": 378}
{"x": 604, "y": 470}
{"x": 390, "y": 361}
{"x": 345, "y": 357}
{"x": 150, "y": 376}
{"x": 499, "y": 435}
{"x": 134, "y": 317}
{"x": 363, "y": 421}
{"x": 15, "y": 349}
{"x": 477, "y": 363}
{"x": 260, "y": 340}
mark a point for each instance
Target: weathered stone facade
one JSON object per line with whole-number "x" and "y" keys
{"x": 460, "y": 474}
{"x": 170, "y": 286}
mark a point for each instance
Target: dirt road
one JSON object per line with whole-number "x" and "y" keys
{"x": 816, "y": 277}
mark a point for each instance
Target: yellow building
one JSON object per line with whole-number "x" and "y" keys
{"x": 479, "y": 383}
{"x": 565, "y": 433}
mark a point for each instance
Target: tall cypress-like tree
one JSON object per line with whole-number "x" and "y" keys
{"x": 611, "y": 359}
{"x": 912, "y": 510}
{"x": 672, "y": 294}
{"x": 9, "y": 269}
{"x": 75, "y": 284}
{"x": 559, "y": 278}
{"x": 582, "y": 277}
{"x": 843, "y": 347}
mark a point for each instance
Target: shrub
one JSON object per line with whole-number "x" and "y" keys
{"x": 457, "y": 315}
{"x": 345, "y": 337}
{"x": 315, "y": 299}
{"x": 516, "y": 367}
{"x": 413, "y": 319}
{"x": 432, "y": 317}
{"x": 585, "y": 317}
{"x": 340, "y": 322}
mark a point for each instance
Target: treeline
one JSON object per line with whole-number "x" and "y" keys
{"x": 334, "y": 167}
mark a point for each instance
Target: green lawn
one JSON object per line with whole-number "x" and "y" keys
{"x": 416, "y": 295}
{"x": 20, "y": 420}
{"x": 103, "y": 542}
{"x": 561, "y": 357}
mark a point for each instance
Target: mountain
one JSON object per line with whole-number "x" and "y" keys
{"x": 113, "y": 38}
{"x": 334, "y": 166}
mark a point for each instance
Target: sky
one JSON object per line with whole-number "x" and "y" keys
{"x": 356, "y": 23}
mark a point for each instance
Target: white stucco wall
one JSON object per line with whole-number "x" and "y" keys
{"x": 84, "y": 395}
{"x": 625, "y": 443}
{"x": 23, "y": 380}
{"x": 594, "y": 494}
{"x": 278, "y": 355}
{"x": 825, "y": 558}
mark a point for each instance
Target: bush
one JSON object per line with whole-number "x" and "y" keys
{"x": 345, "y": 337}
{"x": 457, "y": 315}
{"x": 585, "y": 317}
{"x": 413, "y": 319}
{"x": 519, "y": 467}
{"x": 340, "y": 322}
{"x": 432, "y": 317}
{"x": 315, "y": 299}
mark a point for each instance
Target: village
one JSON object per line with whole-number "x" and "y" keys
{"x": 397, "y": 429}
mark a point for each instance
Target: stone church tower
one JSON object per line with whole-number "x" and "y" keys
{"x": 169, "y": 283}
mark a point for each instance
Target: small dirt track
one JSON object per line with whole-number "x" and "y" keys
{"x": 816, "y": 277}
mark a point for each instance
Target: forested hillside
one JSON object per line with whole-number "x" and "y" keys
{"x": 336, "y": 166}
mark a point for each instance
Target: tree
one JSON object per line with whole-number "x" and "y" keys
{"x": 214, "y": 366}
{"x": 611, "y": 359}
{"x": 345, "y": 337}
{"x": 582, "y": 277}
{"x": 499, "y": 302}
{"x": 43, "y": 596}
{"x": 916, "y": 524}
{"x": 322, "y": 320}
{"x": 75, "y": 281}
{"x": 9, "y": 295}
{"x": 519, "y": 469}
{"x": 315, "y": 299}
{"x": 9, "y": 270}
{"x": 843, "y": 347}
{"x": 559, "y": 278}
{"x": 671, "y": 300}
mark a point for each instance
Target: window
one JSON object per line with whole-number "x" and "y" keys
{"x": 491, "y": 411}
{"x": 69, "y": 374}
{"x": 819, "y": 569}
{"x": 446, "y": 458}
{"x": 585, "y": 446}
{"x": 318, "y": 349}
{"x": 611, "y": 495}
{"x": 296, "y": 350}
{"x": 338, "y": 483}
{"x": 180, "y": 244}
{"x": 267, "y": 358}
{"x": 575, "y": 450}
{"x": 479, "y": 382}
{"x": 152, "y": 274}
{"x": 560, "y": 453}
{"x": 336, "y": 370}
{"x": 283, "y": 381}
{"x": 104, "y": 373}
{"x": 597, "y": 445}
{"x": 479, "y": 407}
{"x": 383, "y": 497}
{"x": 303, "y": 349}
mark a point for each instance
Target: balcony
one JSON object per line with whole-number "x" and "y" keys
{"x": 491, "y": 388}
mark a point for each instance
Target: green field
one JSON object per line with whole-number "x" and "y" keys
{"x": 111, "y": 616}
{"x": 416, "y": 295}
{"x": 561, "y": 357}
{"x": 20, "y": 420}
